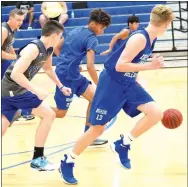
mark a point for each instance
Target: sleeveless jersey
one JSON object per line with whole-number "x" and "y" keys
{"x": 9, "y": 86}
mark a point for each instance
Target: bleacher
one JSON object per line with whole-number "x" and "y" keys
{"x": 119, "y": 12}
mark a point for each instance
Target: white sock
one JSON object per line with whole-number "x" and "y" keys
{"x": 128, "y": 139}
{"x": 71, "y": 157}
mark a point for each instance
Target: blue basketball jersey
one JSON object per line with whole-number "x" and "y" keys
{"x": 77, "y": 43}
{"x": 120, "y": 42}
{"x": 142, "y": 57}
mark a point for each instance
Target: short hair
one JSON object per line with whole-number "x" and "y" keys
{"x": 16, "y": 11}
{"x": 161, "y": 14}
{"x": 100, "y": 16}
{"x": 132, "y": 19}
{"x": 52, "y": 27}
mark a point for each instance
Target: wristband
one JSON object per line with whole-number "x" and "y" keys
{"x": 61, "y": 87}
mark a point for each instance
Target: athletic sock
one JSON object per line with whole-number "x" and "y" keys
{"x": 71, "y": 157}
{"x": 38, "y": 152}
{"x": 128, "y": 139}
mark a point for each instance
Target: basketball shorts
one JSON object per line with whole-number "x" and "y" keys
{"x": 78, "y": 87}
{"x": 111, "y": 97}
{"x": 10, "y": 105}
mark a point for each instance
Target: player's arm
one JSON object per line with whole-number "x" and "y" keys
{"x": 5, "y": 55}
{"x": 134, "y": 46}
{"x": 58, "y": 47}
{"x": 122, "y": 35}
{"x": 64, "y": 5}
{"x": 28, "y": 54}
{"x": 12, "y": 51}
{"x": 47, "y": 67}
{"x": 91, "y": 67}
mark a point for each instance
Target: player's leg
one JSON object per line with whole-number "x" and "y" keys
{"x": 62, "y": 102}
{"x": 31, "y": 102}
{"x": 63, "y": 18}
{"x": 87, "y": 90}
{"x": 138, "y": 101}
{"x": 8, "y": 112}
{"x": 5, "y": 124}
{"x": 101, "y": 112}
{"x": 152, "y": 116}
{"x": 47, "y": 116}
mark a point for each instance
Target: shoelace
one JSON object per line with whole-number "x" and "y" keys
{"x": 45, "y": 161}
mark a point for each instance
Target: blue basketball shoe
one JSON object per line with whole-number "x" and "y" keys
{"x": 42, "y": 164}
{"x": 122, "y": 150}
{"x": 66, "y": 171}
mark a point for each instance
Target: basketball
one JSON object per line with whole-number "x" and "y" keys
{"x": 172, "y": 118}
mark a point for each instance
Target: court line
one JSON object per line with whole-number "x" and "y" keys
{"x": 22, "y": 152}
{"x": 25, "y": 162}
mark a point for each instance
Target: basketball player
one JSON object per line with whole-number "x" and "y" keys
{"x": 28, "y": 8}
{"x": 19, "y": 92}
{"x": 118, "y": 39}
{"x": 16, "y": 18}
{"x": 117, "y": 89}
{"x": 53, "y": 11}
{"x": 80, "y": 42}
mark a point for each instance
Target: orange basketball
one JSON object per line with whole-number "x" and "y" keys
{"x": 172, "y": 118}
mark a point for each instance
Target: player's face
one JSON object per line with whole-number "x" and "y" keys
{"x": 134, "y": 26}
{"x": 56, "y": 38}
{"x": 17, "y": 20}
{"x": 164, "y": 28}
{"x": 99, "y": 29}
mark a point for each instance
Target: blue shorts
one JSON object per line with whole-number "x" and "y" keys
{"x": 111, "y": 97}
{"x": 4, "y": 66}
{"x": 78, "y": 87}
{"x": 10, "y": 105}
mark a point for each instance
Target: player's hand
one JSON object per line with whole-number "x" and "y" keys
{"x": 80, "y": 68}
{"x": 66, "y": 91}
{"x": 106, "y": 52}
{"x": 41, "y": 95}
{"x": 157, "y": 62}
{"x": 14, "y": 56}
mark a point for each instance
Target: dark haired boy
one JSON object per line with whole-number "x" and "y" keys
{"x": 133, "y": 24}
{"x": 79, "y": 43}
{"x": 19, "y": 93}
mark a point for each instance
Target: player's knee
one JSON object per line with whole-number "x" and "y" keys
{"x": 156, "y": 115}
{"x": 51, "y": 115}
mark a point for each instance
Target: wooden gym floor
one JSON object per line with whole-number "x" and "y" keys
{"x": 159, "y": 157}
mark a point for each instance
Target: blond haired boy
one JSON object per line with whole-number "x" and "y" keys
{"x": 117, "y": 89}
